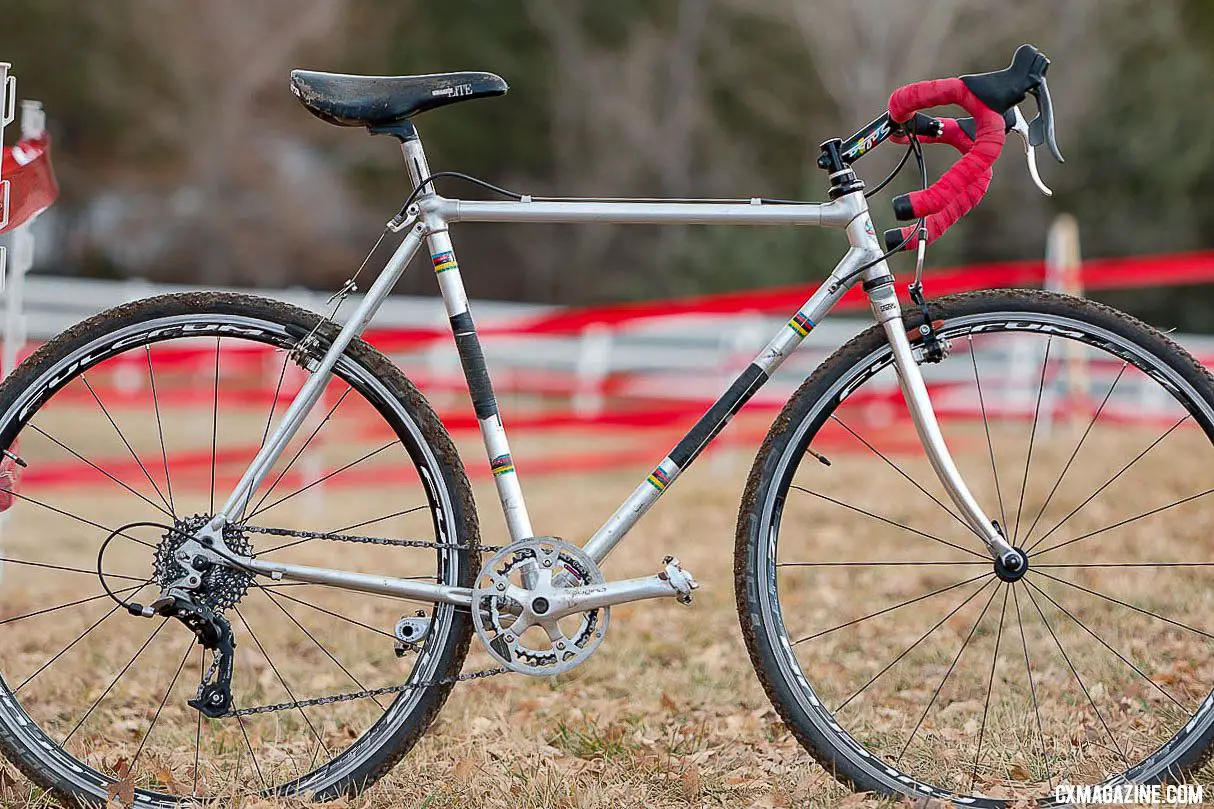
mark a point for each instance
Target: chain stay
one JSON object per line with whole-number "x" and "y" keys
{"x": 373, "y": 692}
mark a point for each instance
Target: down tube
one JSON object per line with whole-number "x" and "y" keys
{"x": 713, "y": 421}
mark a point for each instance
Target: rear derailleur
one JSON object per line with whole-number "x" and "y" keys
{"x": 214, "y": 697}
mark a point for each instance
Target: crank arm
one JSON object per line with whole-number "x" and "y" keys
{"x": 672, "y": 582}
{"x": 410, "y": 589}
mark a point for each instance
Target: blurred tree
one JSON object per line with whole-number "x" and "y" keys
{"x": 182, "y": 155}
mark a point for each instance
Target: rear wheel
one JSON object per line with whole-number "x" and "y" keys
{"x": 131, "y": 425}
{"x": 891, "y": 646}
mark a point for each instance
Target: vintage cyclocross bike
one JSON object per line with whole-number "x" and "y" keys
{"x": 900, "y": 689}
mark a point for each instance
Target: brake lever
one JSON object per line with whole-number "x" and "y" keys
{"x": 1041, "y": 129}
{"x": 1025, "y": 131}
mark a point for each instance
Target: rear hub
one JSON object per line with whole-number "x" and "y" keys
{"x": 219, "y": 587}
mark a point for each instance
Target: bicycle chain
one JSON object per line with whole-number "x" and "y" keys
{"x": 370, "y": 693}
{"x": 335, "y": 537}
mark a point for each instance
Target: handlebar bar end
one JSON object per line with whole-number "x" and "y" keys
{"x": 903, "y": 209}
{"x": 893, "y": 239}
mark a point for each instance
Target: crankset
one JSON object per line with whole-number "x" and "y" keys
{"x": 522, "y": 626}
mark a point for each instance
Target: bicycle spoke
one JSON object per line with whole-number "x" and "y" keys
{"x": 164, "y": 453}
{"x": 10, "y": 561}
{"x": 1126, "y": 521}
{"x": 46, "y": 610}
{"x": 898, "y": 469}
{"x": 986, "y": 425}
{"x": 1078, "y": 679}
{"x": 328, "y": 612}
{"x": 1045, "y": 363}
{"x": 278, "y": 674}
{"x": 198, "y": 729}
{"x": 156, "y": 716}
{"x": 363, "y": 523}
{"x": 249, "y": 746}
{"x": 321, "y": 480}
{"x": 125, "y": 443}
{"x": 320, "y": 646}
{"x": 97, "y": 468}
{"x": 891, "y": 609}
{"x": 1127, "y": 605}
{"x": 1074, "y": 454}
{"x": 214, "y": 426}
{"x": 345, "y": 528}
{"x": 990, "y": 686}
{"x": 943, "y": 680}
{"x": 887, "y": 521}
{"x": 1105, "y": 644}
{"x": 911, "y": 648}
{"x": 876, "y": 564}
{"x": 265, "y": 434}
{"x": 68, "y": 648}
{"x": 110, "y": 687}
{"x": 77, "y": 518}
{"x": 300, "y": 451}
{"x": 1028, "y": 668}
{"x": 1127, "y": 564}
{"x": 1106, "y": 484}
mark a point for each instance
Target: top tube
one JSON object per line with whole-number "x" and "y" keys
{"x": 632, "y": 212}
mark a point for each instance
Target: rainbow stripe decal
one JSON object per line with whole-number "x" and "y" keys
{"x": 501, "y": 465}
{"x": 444, "y": 261}
{"x": 659, "y": 479}
{"x": 800, "y": 324}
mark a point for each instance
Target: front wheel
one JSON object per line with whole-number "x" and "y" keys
{"x": 883, "y": 634}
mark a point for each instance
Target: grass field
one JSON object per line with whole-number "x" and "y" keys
{"x": 669, "y": 711}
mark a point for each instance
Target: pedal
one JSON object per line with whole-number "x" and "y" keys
{"x": 681, "y": 580}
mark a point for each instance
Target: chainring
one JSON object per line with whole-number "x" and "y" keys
{"x": 222, "y": 587}
{"x": 546, "y": 646}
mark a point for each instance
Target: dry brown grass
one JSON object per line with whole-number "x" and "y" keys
{"x": 669, "y": 712}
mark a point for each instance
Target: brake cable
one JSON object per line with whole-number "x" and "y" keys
{"x": 910, "y": 147}
{"x": 920, "y": 228}
{"x": 934, "y": 349}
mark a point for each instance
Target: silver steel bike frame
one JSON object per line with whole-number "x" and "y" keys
{"x": 428, "y": 220}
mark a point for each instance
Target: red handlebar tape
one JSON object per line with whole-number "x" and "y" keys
{"x": 965, "y": 183}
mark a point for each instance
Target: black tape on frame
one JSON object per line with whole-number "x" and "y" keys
{"x": 718, "y": 415}
{"x": 472, "y": 358}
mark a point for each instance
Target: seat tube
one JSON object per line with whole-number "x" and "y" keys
{"x": 471, "y": 355}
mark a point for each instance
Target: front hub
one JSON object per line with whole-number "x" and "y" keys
{"x": 1012, "y": 565}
